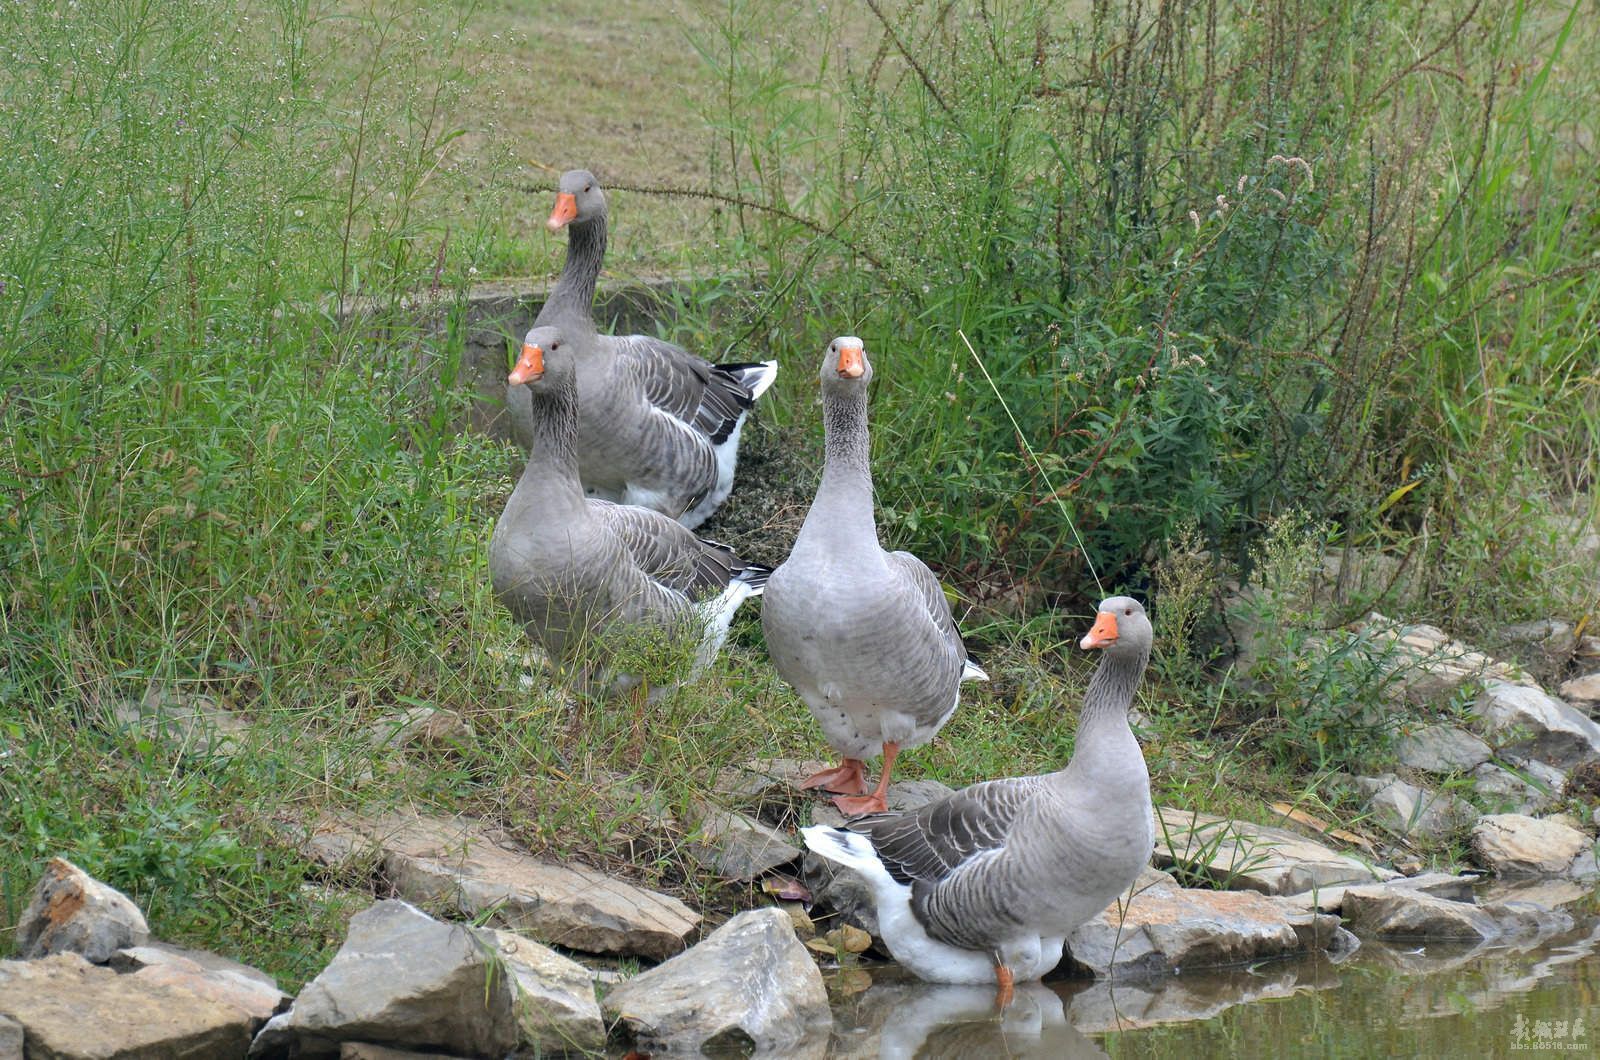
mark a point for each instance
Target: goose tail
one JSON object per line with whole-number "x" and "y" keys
{"x": 849, "y": 849}
{"x": 971, "y": 671}
{"x": 753, "y": 377}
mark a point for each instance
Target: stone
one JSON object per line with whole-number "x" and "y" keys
{"x": 555, "y": 1004}
{"x": 193, "y": 724}
{"x": 72, "y": 912}
{"x": 1437, "y": 884}
{"x": 1530, "y": 722}
{"x": 738, "y": 847}
{"x": 1388, "y": 912}
{"x": 1441, "y": 749}
{"x": 1582, "y": 693}
{"x": 749, "y": 985}
{"x": 1409, "y": 811}
{"x": 1511, "y": 844}
{"x": 767, "y": 787}
{"x": 1527, "y": 787}
{"x": 903, "y": 796}
{"x": 1427, "y": 664}
{"x": 252, "y": 991}
{"x": 456, "y": 862}
{"x": 1165, "y": 929}
{"x": 369, "y": 1051}
{"x": 401, "y": 978}
{"x": 421, "y": 727}
{"x": 1240, "y": 854}
{"x": 70, "y": 1008}
{"x": 10, "y": 1039}
{"x": 1547, "y": 892}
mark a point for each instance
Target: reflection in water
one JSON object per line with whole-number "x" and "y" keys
{"x": 1409, "y": 998}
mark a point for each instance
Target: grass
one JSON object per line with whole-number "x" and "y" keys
{"x": 213, "y": 484}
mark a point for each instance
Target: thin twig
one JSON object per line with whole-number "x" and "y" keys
{"x": 905, "y": 53}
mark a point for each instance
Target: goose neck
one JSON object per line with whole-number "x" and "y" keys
{"x": 573, "y": 296}
{"x": 1110, "y": 695}
{"x": 551, "y": 473}
{"x": 846, "y": 489}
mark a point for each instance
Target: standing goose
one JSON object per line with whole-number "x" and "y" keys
{"x": 865, "y": 636}
{"x": 657, "y": 427}
{"x": 570, "y": 567}
{"x": 985, "y": 885}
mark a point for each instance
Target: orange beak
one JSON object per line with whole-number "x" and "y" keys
{"x": 529, "y": 366}
{"x": 566, "y": 209}
{"x": 851, "y": 365}
{"x": 1103, "y": 634}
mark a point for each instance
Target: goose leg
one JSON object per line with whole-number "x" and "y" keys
{"x": 848, "y": 778}
{"x": 878, "y": 801}
{"x": 1007, "y": 987}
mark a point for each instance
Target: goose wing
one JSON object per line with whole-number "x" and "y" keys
{"x": 666, "y": 552}
{"x": 929, "y": 844}
{"x": 707, "y": 397}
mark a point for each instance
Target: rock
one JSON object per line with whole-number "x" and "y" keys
{"x": 1359, "y": 574}
{"x": 1527, "y": 721}
{"x": 1582, "y": 693}
{"x": 250, "y": 990}
{"x": 193, "y": 724}
{"x": 903, "y": 797}
{"x": 767, "y": 787}
{"x": 1165, "y": 929}
{"x": 748, "y": 985}
{"x": 1531, "y": 787}
{"x": 1441, "y": 749}
{"x": 1385, "y": 911}
{"x": 1406, "y": 810}
{"x": 10, "y": 1039}
{"x": 737, "y": 847}
{"x": 1546, "y": 892}
{"x": 401, "y": 978}
{"x": 1427, "y": 664}
{"x": 421, "y": 727}
{"x": 1437, "y": 884}
{"x": 555, "y": 1005}
{"x": 455, "y": 862}
{"x": 70, "y": 1008}
{"x": 1239, "y": 854}
{"x": 1510, "y": 844}
{"x": 72, "y": 912}
{"x": 368, "y": 1051}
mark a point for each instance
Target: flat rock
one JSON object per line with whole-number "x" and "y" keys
{"x": 70, "y": 1008}
{"x": 72, "y": 912}
{"x": 555, "y": 1004}
{"x": 1511, "y": 844}
{"x": 11, "y": 1037}
{"x": 767, "y": 787}
{"x": 369, "y": 1051}
{"x": 405, "y": 979}
{"x": 903, "y": 797}
{"x": 1530, "y": 722}
{"x": 1582, "y": 693}
{"x": 252, "y": 991}
{"x": 749, "y": 985}
{"x": 1428, "y": 664}
{"x": 193, "y": 724}
{"x": 421, "y": 727}
{"x": 1387, "y": 912}
{"x": 1164, "y": 929}
{"x": 1239, "y": 854}
{"x": 735, "y": 846}
{"x": 1547, "y": 892}
{"x": 456, "y": 862}
{"x": 1441, "y": 749}
{"x": 1525, "y": 787}
{"x": 1407, "y": 810}
{"x": 1438, "y": 884}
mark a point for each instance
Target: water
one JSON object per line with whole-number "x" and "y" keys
{"x": 1415, "y": 999}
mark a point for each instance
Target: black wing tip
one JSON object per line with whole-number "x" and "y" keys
{"x": 754, "y": 575}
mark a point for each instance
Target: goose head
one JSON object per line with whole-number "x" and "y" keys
{"x": 844, "y": 364}
{"x": 1121, "y": 629}
{"x": 578, "y": 200}
{"x": 545, "y": 362}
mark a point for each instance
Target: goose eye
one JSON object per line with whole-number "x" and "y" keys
{"x": 1129, "y": 611}
{"x": 588, "y": 187}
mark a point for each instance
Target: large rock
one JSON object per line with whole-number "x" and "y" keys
{"x": 1525, "y": 786}
{"x": 69, "y": 1008}
{"x": 1530, "y": 722}
{"x": 1428, "y": 665}
{"x": 1582, "y": 693}
{"x": 1510, "y": 844}
{"x": 250, "y": 990}
{"x": 1239, "y": 854}
{"x": 11, "y": 1038}
{"x": 735, "y": 846}
{"x": 72, "y": 912}
{"x": 401, "y": 978}
{"x": 1388, "y": 912}
{"x": 555, "y": 1004}
{"x": 194, "y": 725}
{"x": 456, "y": 862}
{"x": 749, "y": 985}
{"x": 420, "y": 727}
{"x": 1407, "y": 810}
{"x": 1441, "y": 749}
{"x": 1163, "y": 929}
{"x": 1437, "y": 884}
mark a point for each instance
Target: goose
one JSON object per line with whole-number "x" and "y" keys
{"x": 658, "y": 427}
{"x": 865, "y": 636}
{"x": 571, "y": 567}
{"x": 984, "y": 885}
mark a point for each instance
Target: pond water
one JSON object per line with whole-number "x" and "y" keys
{"x": 1414, "y": 999}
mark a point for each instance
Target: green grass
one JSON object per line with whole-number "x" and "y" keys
{"x": 214, "y": 483}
